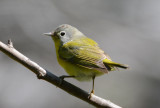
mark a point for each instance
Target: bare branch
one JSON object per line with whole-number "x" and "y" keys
{"x": 48, "y": 76}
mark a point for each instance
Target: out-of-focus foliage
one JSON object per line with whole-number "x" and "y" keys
{"x": 128, "y": 30}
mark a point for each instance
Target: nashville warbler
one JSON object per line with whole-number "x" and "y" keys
{"x": 81, "y": 56}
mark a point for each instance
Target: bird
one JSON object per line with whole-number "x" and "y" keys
{"x": 80, "y": 56}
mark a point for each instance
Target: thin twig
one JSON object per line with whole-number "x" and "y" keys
{"x": 53, "y": 79}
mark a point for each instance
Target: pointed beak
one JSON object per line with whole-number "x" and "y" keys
{"x": 48, "y": 34}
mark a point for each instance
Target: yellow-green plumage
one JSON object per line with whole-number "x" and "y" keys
{"x": 80, "y": 56}
{"x": 78, "y": 60}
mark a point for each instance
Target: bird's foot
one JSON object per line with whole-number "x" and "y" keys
{"x": 61, "y": 79}
{"x": 92, "y": 92}
{"x": 65, "y": 76}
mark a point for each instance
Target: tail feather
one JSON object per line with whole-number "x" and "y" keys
{"x": 120, "y": 65}
{"x": 111, "y": 63}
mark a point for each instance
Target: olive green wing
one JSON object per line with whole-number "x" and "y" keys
{"x": 85, "y": 55}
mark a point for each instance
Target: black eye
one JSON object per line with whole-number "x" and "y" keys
{"x": 62, "y": 33}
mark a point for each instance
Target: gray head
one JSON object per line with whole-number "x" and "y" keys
{"x": 65, "y": 33}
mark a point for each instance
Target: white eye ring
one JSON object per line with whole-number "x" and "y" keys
{"x": 62, "y": 33}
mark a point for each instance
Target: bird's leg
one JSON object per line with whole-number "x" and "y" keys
{"x": 93, "y": 84}
{"x": 65, "y": 76}
{"x": 92, "y": 91}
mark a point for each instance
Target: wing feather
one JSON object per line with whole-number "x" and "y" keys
{"x": 83, "y": 54}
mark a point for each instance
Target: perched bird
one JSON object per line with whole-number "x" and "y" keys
{"x": 81, "y": 56}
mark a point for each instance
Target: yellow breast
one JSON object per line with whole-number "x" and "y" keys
{"x": 81, "y": 73}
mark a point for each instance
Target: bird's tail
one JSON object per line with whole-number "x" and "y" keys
{"x": 114, "y": 64}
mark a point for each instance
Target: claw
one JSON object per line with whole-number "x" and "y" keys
{"x": 62, "y": 78}
{"x": 92, "y": 92}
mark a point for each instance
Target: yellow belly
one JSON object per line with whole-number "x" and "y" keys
{"x": 81, "y": 73}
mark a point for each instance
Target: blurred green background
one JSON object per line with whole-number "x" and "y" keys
{"x": 128, "y": 30}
